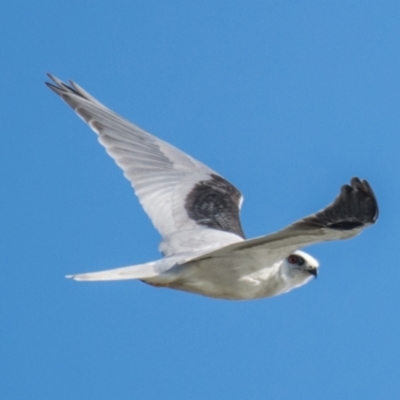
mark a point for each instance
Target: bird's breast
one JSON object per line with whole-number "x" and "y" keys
{"x": 230, "y": 278}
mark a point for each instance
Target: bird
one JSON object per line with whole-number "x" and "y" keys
{"x": 196, "y": 211}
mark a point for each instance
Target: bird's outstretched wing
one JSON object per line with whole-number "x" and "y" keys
{"x": 354, "y": 209}
{"x": 179, "y": 193}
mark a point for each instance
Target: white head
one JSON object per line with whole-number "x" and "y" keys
{"x": 299, "y": 268}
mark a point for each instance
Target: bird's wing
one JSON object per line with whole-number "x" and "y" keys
{"x": 354, "y": 209}
{"x": 179, "y": 193}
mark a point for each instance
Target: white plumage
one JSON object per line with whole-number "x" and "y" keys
{"x": 197, "y": 213}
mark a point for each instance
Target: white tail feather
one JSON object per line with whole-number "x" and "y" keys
{"x": 142, "y": 271}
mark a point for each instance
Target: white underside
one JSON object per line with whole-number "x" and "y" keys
{"x": 233, "y": 277}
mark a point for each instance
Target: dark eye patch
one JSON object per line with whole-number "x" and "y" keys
{"x": 293, "y": 259}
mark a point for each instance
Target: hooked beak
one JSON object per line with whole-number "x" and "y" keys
{"x": 313, "y": 272}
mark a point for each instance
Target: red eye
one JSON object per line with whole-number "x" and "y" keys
{"x": 293, "y": 259}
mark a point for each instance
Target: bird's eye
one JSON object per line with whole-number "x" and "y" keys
{"x": 293, "y": 259}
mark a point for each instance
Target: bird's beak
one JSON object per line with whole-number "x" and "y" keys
{"x": 314, "y": 272}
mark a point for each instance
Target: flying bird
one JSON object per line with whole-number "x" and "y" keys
{"x": 196, "y": 211}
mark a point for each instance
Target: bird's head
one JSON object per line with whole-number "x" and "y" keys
{"x": 300, "y": 267}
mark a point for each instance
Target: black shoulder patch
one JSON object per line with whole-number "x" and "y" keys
{"x": 356, "y": 206}
{"x": 215, "y": 203}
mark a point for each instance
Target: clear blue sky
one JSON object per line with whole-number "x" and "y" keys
{"x": 286, "y": 99}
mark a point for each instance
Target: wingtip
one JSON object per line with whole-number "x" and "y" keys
{"x": 363, "y": 185}
{"x": 70, "y": 90}
{"x": 55, "y": 81}
{"x": 354, "y": 208}
{"x": 55, "y": 85}
{"x": 50, "y": 76}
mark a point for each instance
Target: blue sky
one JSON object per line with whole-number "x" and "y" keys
{"x": 287, "y": 100}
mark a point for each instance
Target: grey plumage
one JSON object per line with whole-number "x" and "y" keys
{"x": 197, "y": 213}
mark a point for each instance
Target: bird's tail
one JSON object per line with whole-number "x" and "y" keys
{"x": 141, "y": 271}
